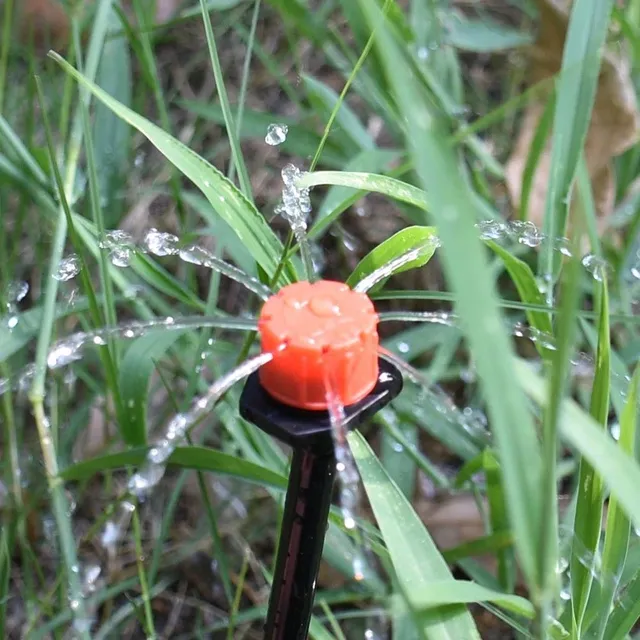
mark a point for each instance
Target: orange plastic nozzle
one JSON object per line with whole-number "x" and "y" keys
{"x": 330, "y": 333}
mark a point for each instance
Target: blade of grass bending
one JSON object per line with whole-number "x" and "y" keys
{"x": 343, "y": 93}
{"x": 527, "y": 287}
{"x": 619, "y": 470}
{"x": 618, "y": 529}
{"x": 230, "y": 203}
{"x": 468, "y": 272}
{"x": 587, "y": 525}
{"x": 415, "y": 558}
{"x": 576, "y": 90}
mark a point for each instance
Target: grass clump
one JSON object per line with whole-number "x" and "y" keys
{"x": 134, "y": 175}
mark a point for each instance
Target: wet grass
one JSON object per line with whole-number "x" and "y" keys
{"x": 520, "y": 347}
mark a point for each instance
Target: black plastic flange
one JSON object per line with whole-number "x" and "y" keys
{"x": 304, "y": 429}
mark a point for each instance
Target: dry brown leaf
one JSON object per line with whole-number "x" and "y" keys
{"x": 614, "y": 127}
{"x": 49, "y": 22}
{"x": 454, "y": 520}
{"x": 46, "y": 20}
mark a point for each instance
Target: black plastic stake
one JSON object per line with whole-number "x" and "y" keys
{"x": 309, "y": 493}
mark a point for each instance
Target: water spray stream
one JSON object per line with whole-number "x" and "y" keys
{"x": 350, "y": 496}
{"x": 294, "y": 208}
{"x": 469, "y": 421}
{"x": 198, "y": 255}
{"x": 152, "y": 471}
{"x": 142, "y": 483}
{"x": 69, "y": 349}
{"x": 122, "y": 248}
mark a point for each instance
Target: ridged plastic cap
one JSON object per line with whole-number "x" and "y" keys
{"x": 328, "y": 330}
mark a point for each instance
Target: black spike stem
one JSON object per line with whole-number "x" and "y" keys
{"x": 309, "y": 492}
{"x": 306, "y": 512}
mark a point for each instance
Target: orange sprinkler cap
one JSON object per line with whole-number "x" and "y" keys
{"x": 330, "y": 333}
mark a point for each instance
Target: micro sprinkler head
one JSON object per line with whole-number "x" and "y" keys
{"x": 316, "y": 332}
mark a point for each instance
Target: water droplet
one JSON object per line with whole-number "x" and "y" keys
{"x": 563, "y": 565}
{"x": 276, "y": 134}
{"x": 68, "y": 268}
{"x": 359, "y": 565}
{"x": 120, "y": 246}
{"x": 595, "y": 265}
{"x": 615, "y": 430}
{"x": 120, "y": 257}
{"x": 403, "y": 347}
{"x": 161, "y": 244}
{"x": 397, "y": 447}
{"x": 16, "y": 291}
{"x": 66, "y": 351}
{"x": 491, "y": 229}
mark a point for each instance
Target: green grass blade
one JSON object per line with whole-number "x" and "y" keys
{"x": 536, "y": 150}
{"x": 619, "y": 470}
{"x": 618, "y": 529}
{"x": 499, "y": 520}
{"x": 367, "y": 182}
{"x": 196, "y": 458}
{"x": 444, "y": 592}
{"x": 590, "y": 492}
{"x": 5, "y": 573}
{"x": 557, "y": 373}
{"x": 338, "y": 199}
{"x": 111, "y": 135}
{"x": 527, "y": 287}
{"x": 467, "y": 271}
{"x": 421, "y": 239}
{"x": 626, "y": 613}
{"x": 136, "y": 368}
{"x": 576, "y": 90}
{"x": 223, "y": 196}
{"x": 416, "y": 560}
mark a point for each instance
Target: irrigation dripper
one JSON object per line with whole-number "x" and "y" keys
{"x": 329, "y": 333}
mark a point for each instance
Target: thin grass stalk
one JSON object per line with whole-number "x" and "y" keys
{"x": 106, "y": 356}
{"x": 94, "y": 198}
{"x": 236, "y": 151}
{"x": 5, "y": 47}
{"x": 246, "y": 69}
{"x": 557, "y": 376}
{"x": 142, "y": 575}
